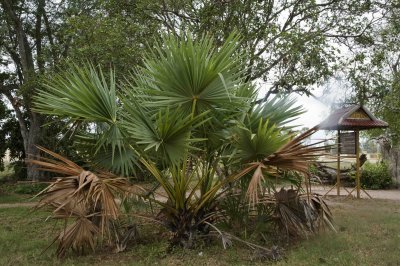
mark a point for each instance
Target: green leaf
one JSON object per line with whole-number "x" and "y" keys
{"x": 81, "y": 93}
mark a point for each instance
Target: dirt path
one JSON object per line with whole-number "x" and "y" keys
{"x": 393, "y": 194}
{"x": 322, "y": 190}
{"x": 18, "y": 204}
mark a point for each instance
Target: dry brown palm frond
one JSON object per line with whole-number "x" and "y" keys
{"x": 325, "y": 218}
{"x": 79, "y": 235}
{"x": 294, "y": 155}
{"x": 300, "y": 216}
{"x": 255, "y": 183}
{"x": 87, "y": 197}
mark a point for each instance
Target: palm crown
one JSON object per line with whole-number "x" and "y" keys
{"x": 188, "y": 97}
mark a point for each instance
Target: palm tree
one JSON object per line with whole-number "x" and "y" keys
{"x": 189, "y": 117}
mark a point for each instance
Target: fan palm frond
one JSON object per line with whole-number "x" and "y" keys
{"x": 109, "y": 150}
{"x": 259, "y": 144}
{"x": 279, "y": 111}
{"x": 292, "y": 156}
{"x": 168, "y": 134}
{"x": 192, "y": 76}
{"x": 89, "y": 198}
{"x": 81, "y": 93}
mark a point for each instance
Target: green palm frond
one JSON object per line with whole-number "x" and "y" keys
{"x": 254, "y": 146}
{"x": 167, "y": 133}
{"x": 192, "y": 76}
{"x": 81, "y": 93}
{"x": 279, "y": 111}
{"x": 123, "y": 160}
{"x": 293, "y": 155}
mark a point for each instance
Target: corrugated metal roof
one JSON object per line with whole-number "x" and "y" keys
{"x": 341, "y": 120}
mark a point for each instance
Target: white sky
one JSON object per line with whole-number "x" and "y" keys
{"x": 316, "y": 112}
{"x": 319, "y": 107}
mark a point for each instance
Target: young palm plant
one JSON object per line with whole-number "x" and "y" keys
{"x": 189, "y": 117}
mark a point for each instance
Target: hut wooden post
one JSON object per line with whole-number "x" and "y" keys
{"x": 358, "y": 163}
{"x": 338, "y": 164}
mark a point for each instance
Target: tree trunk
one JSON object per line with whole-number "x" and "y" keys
{"x": 31, "y": 151}
{"x": 25, "y": 61}
{"x": 392, "y": 156}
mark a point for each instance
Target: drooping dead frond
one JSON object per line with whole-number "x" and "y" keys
{"x": 325, "y": 218}
{"x": 87, "y": 197}
{"x": 79, "y": 235}
{"x": 255, "y": 183}
{"x": 294, "y": 156}
{"x": 300, "y": 217}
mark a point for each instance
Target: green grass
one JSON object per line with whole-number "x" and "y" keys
{"x": 14, "y": 198}
{"x": 368, "y": 234}
{"x": 19, "y": 192}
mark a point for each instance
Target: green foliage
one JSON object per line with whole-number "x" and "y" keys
{"x": 23, "y": 188}
{"x": 110, "y": 33}
{"x": 254, "y": 146}
{"x": 10, "y": 138}
{"x": 376, "y": 176}
{"x": 29, "y": 188}
{"x": 83, "y": 93}
{"x": 19, "y": 168}
{"x": 374, "y": 73}
{"x": 192, "y": 75}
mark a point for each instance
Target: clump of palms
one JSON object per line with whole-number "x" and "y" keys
{"x": 189, "y": 117}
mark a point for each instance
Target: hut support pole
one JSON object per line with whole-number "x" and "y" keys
{"x": 358, "y": 185}
{"x": 338, "y": 164}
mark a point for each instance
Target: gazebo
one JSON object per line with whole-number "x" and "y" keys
{"x": 348, "y": 122}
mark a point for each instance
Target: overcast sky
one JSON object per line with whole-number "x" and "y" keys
{"x": 319, "y": 107}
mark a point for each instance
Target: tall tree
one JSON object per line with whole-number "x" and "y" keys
{"x": 373, "y": 71}
{"x": 39, "y": 36}
{"x": 22, "y": 43}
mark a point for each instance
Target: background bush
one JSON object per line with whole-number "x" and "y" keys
{"x": 21, "y": 188}
{"x": 376, "y": 176}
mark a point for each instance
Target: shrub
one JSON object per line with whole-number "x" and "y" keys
{"x": 376, "y": 176}
{"x": 29, "y": 188}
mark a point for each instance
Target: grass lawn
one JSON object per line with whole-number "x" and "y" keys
{"x": 368, "y": 234}
{"x": 13, "y": 198}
